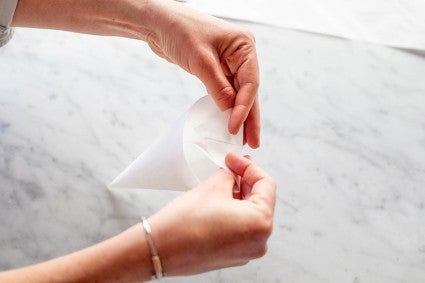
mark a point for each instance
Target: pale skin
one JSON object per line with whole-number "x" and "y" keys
{"x": 220, "y": 54}
{"x": 226, "y": 230}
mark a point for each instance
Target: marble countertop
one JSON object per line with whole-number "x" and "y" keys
{"x": 343, "y": 133}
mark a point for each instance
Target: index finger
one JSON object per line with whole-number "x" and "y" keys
{"x": 247, "y": 78}
{"x": 263, "y": 186}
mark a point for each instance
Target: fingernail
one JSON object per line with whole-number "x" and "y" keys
{"x": 234, "y": 124}
{"x": 233, "y": 127}
{"x": 255, "y": 144}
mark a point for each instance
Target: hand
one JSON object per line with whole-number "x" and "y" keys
{"x": 220, "y": 54}
{"x": 207, "y": 228}
{"x": 202, "y": 230}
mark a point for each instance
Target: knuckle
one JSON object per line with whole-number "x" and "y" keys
{"x": 247, "y": 35}
{"x": 242, "y": 263}
{"x": 267, "y": 227}
{"x": 268, "y": 223}
{"x": 263, "y": 227}
{"x": 225, "y": 95}
{"x": 260, "y": 251}
{"x": 271, "y": 182}
{"x": 254, "y": 85}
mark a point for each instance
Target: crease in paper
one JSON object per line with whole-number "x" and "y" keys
{"x": 191, "y": 150}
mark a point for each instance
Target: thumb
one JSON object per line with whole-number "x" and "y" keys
{"x": 220, "y": 183}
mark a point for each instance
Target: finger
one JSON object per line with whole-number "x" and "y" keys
{"x": 244, "y": 101}
{"x": 245, "y": 168}
{"x": 263, "y": 186}
{"x": 208, "y": 69}
{"x": 237, "y": 189}
{"x": 236, "y": 83}
{"x": 245, "y": 189}
{"x": 226, "y": 69}
{"x": 248, "y": 82}
{"x": 237, "y": 195}
{"x": 252, "y": 126}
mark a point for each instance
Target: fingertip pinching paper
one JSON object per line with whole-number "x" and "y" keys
{"x": 191, "y": 150}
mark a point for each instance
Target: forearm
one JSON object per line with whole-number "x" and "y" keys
{"x": 126, "y": 18}
{"x": 124, "y": 258}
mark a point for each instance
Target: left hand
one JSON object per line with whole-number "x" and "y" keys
{"x": 220, "y": 54}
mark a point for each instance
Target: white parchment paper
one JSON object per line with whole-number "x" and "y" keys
{"x": 396, "y": 23}
{"x": 192, "y": 149}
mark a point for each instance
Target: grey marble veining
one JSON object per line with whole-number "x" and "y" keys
{"x": 343, "y": 133}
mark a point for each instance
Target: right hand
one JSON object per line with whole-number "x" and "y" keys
{"x": 207, "y": 228}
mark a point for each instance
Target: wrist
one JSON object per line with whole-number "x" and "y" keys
{"x": 175, "y": 242}
{"x": 134, "y": 255}
{"x": 139, "y": 18}
{"x": 126, "y": 18}
{"x": 161, "y": 236}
